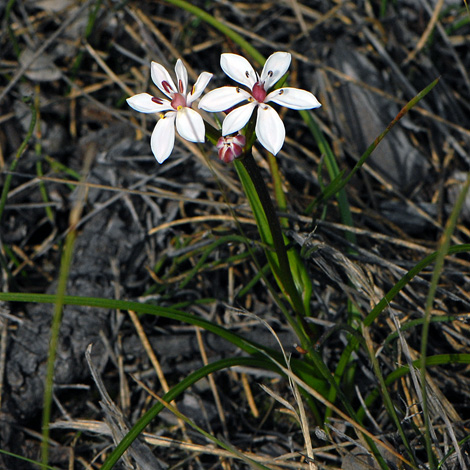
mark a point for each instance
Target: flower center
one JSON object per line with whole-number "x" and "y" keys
{"x": 258, "y": 92}
{"x": 178, "y": 101}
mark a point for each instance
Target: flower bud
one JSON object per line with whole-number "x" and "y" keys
{"x": 231, "y": 147}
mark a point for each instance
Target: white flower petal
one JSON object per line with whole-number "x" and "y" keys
{"x": 238, "y": 69}
{"x": 223, "y": 98}
{"x": 190, "y": 125}
{"x": 275, "y": 67}
{"x": 293, "y": 98}
{"x": 270, "y": 129}
{"x": 181, "y": 77}
{"x": 161, "y": 75}
{"x": 143, "y": 103}
{"x": 199, "y": 87}
{"x": 237, "y": 118}
{"x": 163, "y": 137}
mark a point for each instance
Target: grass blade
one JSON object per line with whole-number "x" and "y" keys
{"x": 65, "y": 264}
{"x": 333, "y": 189}
{"x": 441, "y": 254}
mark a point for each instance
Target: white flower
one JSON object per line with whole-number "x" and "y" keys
{"x": 189, "y": 122}
{"x": 269, "y": 126}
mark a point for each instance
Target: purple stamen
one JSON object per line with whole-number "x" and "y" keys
{"x": 167, "y": 87}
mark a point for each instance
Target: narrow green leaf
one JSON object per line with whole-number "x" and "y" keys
{"x": 439, "y": 266}
{"x": 334, "y": 188}
{"x": 203, "y": 372}
{"x": 209, "y": 19}
{"x": 303, "y": 369}
{"x": 24, "y": 144}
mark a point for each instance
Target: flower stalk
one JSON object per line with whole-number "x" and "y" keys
{"x": 272, "y": 235}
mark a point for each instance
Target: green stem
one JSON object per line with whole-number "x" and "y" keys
{"x": 278, "y": 191}
{"x": 24, "y": 144}
{"x": 442, "y": 252}
{"x": 282, "y": 267}
{"x": 88, "y": 30}
{"x": 53, "y": 343}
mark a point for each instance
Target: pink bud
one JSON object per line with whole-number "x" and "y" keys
{"x": 231, "y": 147}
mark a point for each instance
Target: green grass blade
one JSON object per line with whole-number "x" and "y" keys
{"x": 385, "y": 302}
{"x": 452, "y": 452}
{"x": 209, "y": 19}
{"x": 88, "y": 30}
{"x": 299, "y": 271}
{"x": 14, "y": 41}
{"x": 332, "y": 189}
{"x": 389, "y": 406}
{"x": 259, "y": 214}
{"x": 431, "y": 361}
{"x": 410, "y": 324}
{"x": 333, "y": 171}
{"x": 207, "y": 252}
{"x": 191, "y": 379}
{"x": 65, "y": 264}
{"x": 271, "y": 234}
{"x": 408, "y": 277}
{"x": 25, "y": 459}
{"x": 53, "y": 342}
{"x": 24, "y": 144}
{"x": 43, "y": 191}
{"x": 307, "y": 372}
{"x": 441, "y": 254}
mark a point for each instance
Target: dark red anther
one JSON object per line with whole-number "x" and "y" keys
{"x": 167, "y": 87}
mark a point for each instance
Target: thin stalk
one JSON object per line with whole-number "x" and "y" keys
{"x": 277, "y": 184}
{"x": 441, "y": 254}
{"x": 6, "y": 186}
{"x": 13, "y": 39}
{"x": 88, "y": 30}
{"x": 334, "y": 173}
{"x": 53, "y": 342}
{"x": 389, "y": 406}
{"x": 334, "y": 188}
{"x": 283, "y": 269}
{"x": 38, "y": 148}
{"x": 65, "y": 264}
{"x": 299, "y": 272}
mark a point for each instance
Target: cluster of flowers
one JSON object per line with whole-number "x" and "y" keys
{"x": 177, "y": 110}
